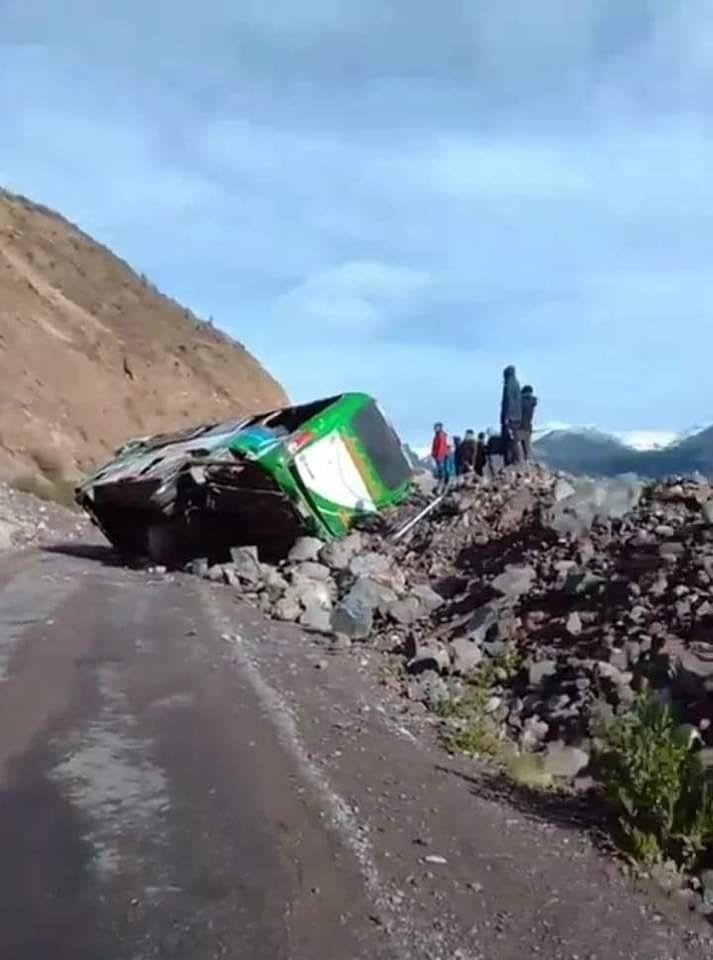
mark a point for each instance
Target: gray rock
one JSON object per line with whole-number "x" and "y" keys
{"x": 424, "y": 482}
{"x": 274, "y": 584}
{"x": 311, "y": 593}
{"x": 582, "y": 582}
{"x": 198, "y": 567}
{"x": 515, "y": 581}
{"x": 353, "y": 617}
{"x": 317, "y": 619}
{"x": 483, "y": 623}
{"x": 230, "y": 576}
{"x": 215, "y": 573}
{"x": 429, "y": 656}
{"x": 246, "y": 564}
{"x": 619, "y": 659}
{"x": 540, "y": 670}
{"x": 612, "y": 673}
{"x": 407, "y": 611}
{"x": 603, "y": 499}
{"x": 695, "y": 665}
{"x": 339, "y": 553}
{"x": 466, "y": 654}
{"x": 427, "y": 596}
{"x": 563, "y": 761}
{"x": 671, "y": 550}
{"x": 313, "y": 571}
{"x": 376, "y": 566}
{"x": 287, "y": 608}
{"x": 574, "y": 624}
{"x": 562, "y": 490}
{"x": 340, "y": 643}
{"x": 7, "y": 535}
{"x": 377, "y": 596}
{"x": 707, "y": 511}
{"x": 305, "y": 549}
{"x": 534, "y": 732}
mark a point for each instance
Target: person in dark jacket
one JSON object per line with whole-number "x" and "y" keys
{"x": 529, "y": 403}
{"x": 468, "y": 453}
{"x": 481, "y": 455}
{"x": 457, "y": 457}
{"x": 511, "y": 416}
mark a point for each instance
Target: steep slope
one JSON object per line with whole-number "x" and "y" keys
{"x": 91, "y": 353}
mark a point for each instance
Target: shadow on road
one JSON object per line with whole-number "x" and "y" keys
{"x": 98, "y": 552}
{"x": 46, "y": 881}
{"x": 583, "y": 813}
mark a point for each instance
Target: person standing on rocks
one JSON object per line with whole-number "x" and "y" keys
{"x": 481, "y": 455}
{"x": 458, "y": 456}
{"x": 439, "y": 452}
{"x": 529, "y": 403}
{"x": 468, "y": 453}
{"x": 511, "y": 416}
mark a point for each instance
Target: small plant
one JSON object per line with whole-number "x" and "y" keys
{"x": 656, "y": 786}
{"x": 469, "y": 727}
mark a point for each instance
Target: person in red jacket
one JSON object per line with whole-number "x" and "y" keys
{"x": 439, "y": 452}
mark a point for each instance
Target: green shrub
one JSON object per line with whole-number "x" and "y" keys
{"x": 656, "y": 786}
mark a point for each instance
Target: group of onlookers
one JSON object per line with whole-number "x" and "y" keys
{"x": 472, "y": 454}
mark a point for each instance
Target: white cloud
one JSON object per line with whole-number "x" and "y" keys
{"x": 358, "y": 297}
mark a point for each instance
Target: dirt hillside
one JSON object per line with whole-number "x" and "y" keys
{"x": 91, "y": 353}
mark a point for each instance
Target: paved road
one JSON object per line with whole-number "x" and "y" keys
{"x": 178, "y": 779}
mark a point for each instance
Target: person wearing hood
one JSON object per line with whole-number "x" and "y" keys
{"x": 529, "y": 403}
{"x": 511, "y": 416}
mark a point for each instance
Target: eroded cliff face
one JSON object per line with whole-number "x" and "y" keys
{"x": 91, "y": 353}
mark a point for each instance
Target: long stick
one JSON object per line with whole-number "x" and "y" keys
{"x": 419, "y": 516}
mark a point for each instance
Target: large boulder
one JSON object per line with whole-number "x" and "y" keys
{"x": 601, "y": 499}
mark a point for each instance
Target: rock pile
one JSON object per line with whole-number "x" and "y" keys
{"x": 27, "y": 520}
{"x": 569, "y": 596}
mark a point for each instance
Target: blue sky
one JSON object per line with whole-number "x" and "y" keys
{"x": 397, "y": 195}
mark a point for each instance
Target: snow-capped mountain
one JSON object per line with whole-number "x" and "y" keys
{"x": 647, "y": 452}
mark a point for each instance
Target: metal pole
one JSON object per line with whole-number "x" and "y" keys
{"x": 419, "y": 516}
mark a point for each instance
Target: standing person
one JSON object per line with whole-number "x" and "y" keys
{"x": 481, "y": 455}
{"x": 529, "y": 403}
{"x": 439, "y": 452}
{"x": 511, "y": 416}
{"x": 450, "y": 463}
{"x": 468, "y": 452}
{"x": 457, "y": 456}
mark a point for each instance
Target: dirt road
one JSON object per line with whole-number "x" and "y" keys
{"x": 180, "y": 779}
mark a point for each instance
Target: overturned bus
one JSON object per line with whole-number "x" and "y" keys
{"x": 315, "y": 468}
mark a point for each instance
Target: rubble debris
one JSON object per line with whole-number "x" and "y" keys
{"x": 555, "y": 628}
{"x": 292, "y": 478}
{"x": 27, "y": 520}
